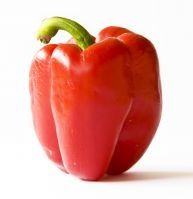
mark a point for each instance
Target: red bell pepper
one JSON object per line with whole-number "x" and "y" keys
{"x": 96, "y": 104}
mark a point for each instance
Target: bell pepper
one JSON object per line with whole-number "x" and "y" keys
{"x": 96, "y": 103}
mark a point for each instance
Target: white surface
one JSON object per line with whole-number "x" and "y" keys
{"x": 166, "y": 170}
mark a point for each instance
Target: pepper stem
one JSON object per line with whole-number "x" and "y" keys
{"x": 50, "y": 27}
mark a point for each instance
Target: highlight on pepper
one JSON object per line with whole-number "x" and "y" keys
{"x": 96, "y": 101}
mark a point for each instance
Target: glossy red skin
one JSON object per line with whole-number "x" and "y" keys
{"x": 144, "y": 116}
{"x": 96, "y": 134}
{"x": 91, "y": 95}
{"x": 39, "y": 83}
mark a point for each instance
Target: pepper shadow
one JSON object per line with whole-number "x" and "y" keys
{"x": 148, "y": 175}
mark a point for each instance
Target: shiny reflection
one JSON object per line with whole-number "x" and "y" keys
{"x": 62, "y": 58}
{"x": 41, "y": 55}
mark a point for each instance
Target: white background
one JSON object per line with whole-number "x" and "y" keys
{"x": 166, "y": 169}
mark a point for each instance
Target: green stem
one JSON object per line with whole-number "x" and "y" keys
{"x": 50, "y": 27}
